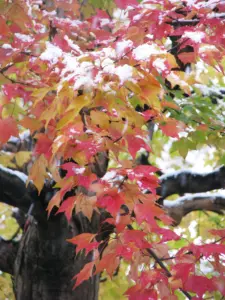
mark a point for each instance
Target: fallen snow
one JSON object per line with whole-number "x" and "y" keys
{"x": 51, "y": 54}
{"x": 123, "y": 46}
{"x": 191, "y": 197}
{"x": 78, "y": 170}
{"x": 177, "y": 173}
{"x": 124, "y": 72}
{"x": 24, "y": 37}
{"x": 195, "y": 36}
{"x": 143, "y": 52}
{"x": 6, "y": 46}
{"x": 159, "y": 64}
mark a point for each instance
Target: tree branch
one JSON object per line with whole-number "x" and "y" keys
{"x": 163, "y": 266}
{"x": 15, "y": 193}
{"x": 180, "y": 207}
{"x": 182, "y": 182}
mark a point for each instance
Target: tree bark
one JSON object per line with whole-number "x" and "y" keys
{"x": 46, "y": 263}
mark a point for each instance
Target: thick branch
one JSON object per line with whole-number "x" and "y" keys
{"x": 8, "y": 251}
{"x": 182, "y": 182}
{"x": 13, "y": 188}
{"x": 180, "y": 207}
{"x": 13, "y": 191}
{"x": 19, "y": 216}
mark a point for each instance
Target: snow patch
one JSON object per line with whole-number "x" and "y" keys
{"x": 159, "y": 64}
{"x": 124, "y": 72}
{"x": 121, "y": 47}
{"x": 52, "y": 53}
{"x": 18, "y": 174}
{"x": 143, "y": 52}
{"x": 24, "y": 37}
{"x": 195, "y": 36}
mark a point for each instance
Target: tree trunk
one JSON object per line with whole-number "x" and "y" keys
{"x": 46, "y": 262}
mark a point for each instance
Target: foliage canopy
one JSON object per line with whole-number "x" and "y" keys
{"x": 87, "y": 84}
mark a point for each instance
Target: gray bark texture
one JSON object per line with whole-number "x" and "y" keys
{"x": 46, "y": 263}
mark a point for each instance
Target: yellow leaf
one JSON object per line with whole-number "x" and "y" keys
{"x": 12, "y": 109}
{"x": 152, "y": 93}
{"x": 38, "y": 172}
{"x": 48, "y": 114}
{"x": 22, "y": 157}
{"x": 86, "y": 205}
{"x": 68, "y": 117}
{"x": 78, "y": 103}
{"x": 135, "y": 88}
{"x": 5, "y": 159}
{"x": 39, "y": 94}
{"x": 100, "y": 118}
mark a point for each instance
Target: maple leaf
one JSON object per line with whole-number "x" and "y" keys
{"x": 12, "y": 90}
{"x": 135, "y": 143}
{"x": 168, "y": 234}
{"x": 108, "y": 262}
{"x": 147, "y": 211}
{"x": 171, "y": 128}
{"x": 38, "y": 172}
{"x": 67, "y": 185}
{"x": 84, "y": 274}
{"x": 183, "y": 270}
{"x": 43, "y": 145}
{"x": 136, "y": 237}
{"x": 4, "y": 29}
{"x": 199, "y": 285}
{"x": 86, "y": 205}
{"x": 219, "y": 232}
{"x": 112, "y": 201}
{"x": 123, "y": 4}
{"x": 22, "y": 157}
{"x": 137, "y": 292}
{"x": 30, "y": 123}
{"x": 83, "y": 241}
{"x": 67, "y": 207}
{"x": 8, "y": 128}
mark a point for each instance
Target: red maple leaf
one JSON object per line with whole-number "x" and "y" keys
{"x": 84, "y": 274}
{"x": 67, "y": 207}
{"x": 111, "y": 201}
{"x": 123, "y": 4}
{"x": 8, "y": 128}
{"x": 199, "y": 285}
{"x": 83, "y": 241}
{"x": 43, "y": 145}
{"x": 135, "y": 143}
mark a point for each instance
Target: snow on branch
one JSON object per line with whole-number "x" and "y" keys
{"x": 180, "y": 207}
{"x": 13, "y": 189}
{"x": 22, "y": 143}
{"x": 182, "y": 182}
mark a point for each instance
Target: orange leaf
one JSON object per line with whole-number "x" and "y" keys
{"x": 8, "y": 127}
{"x": 109, "y": 263}
{"x": 67, "y": 207}
{"x": 172, "y": 128}
{"x": 84, "y": 274}
{"x": 31, "y": 124}
{"x": 38, "y": 172}
{"x": 83, "y": 242}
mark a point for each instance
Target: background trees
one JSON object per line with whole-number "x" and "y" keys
{"x": 93, "y": 103}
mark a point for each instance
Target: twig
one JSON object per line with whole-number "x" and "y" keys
{"x": 168, "y": 274}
